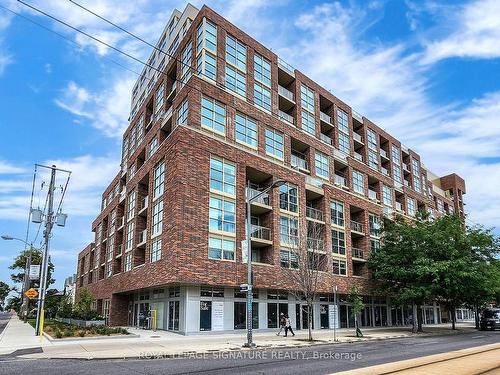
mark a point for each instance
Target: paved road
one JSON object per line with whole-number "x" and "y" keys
{"x": 354, "y": 355}
{"x": 4, "y": 319}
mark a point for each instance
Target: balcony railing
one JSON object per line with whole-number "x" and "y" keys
{"x": 286, "y": 117}
{"x": 263, "y": 199}
{"x": 357, "y": 116}
{"x": 357, "y": 253}
{"x": 406, "y": 167}
{"x": 326, "y": 139}
{"x": 384, "y": 171}
{"x": 315, "y": 244}
{"x": 286, "y": 93}
{"x": 355, "y": 226}
{"x": 171, "y": 94}
{"x": 407, "y": 183}
{"x": 399, "y": 206}
{"x": 121, "y": 222}
{"x": 286, "y": 66}
{"x": 297, "y": 160}
{"x": 143, "y": 235}
{"x": 340, "y": 180}
{"x": 314, "y": 213}
{"x": 358, "y": 156}
{"x": 357, "y": 137}
{"x": 261, "y": 233}
{"x": 383, "y": 153}
{"x": 324, "y": 117}
{"x": 144, "y": 203}
{"x": 372, "y": 195}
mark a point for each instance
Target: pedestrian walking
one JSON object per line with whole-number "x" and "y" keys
{"x": 282, "y": 324}
{"x": 288, "y": 326}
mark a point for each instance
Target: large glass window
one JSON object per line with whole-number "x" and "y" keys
{"x": 322, "y": 165}
{"x": 289, "y": 230}
{"x": 339, "y": 267}
{"x": 128, "y": 262}
{"x": 372, "y": 159}
{"x": 396, "y": 156}
{"x": 246, "y": 130}
{"x": 206, "y": 48}
{"x": 158, "y": 180}
{"x": 344, "y": 143}
{"x": 358, "y": 182}
{"x": 130, "y": 235}
{"x": 235, "y": 80}
{"x": 186, "y": 59}
{"x": 159, "y": 98}
{"x": 222, "y": 214}
{"x": 411, "y": 206}
{"x": 288, "y": 197}
{"x": 387, "y": 195}
{"x": 342, "y": 121}
{"x": 182, "y": 113}
{"x": 262, "y": 70}
{"x": 236, "y": 53}
{"x": 206, "y": 65}
{"x": 307, "y": 98}
{"x": 372, "y": 139}
{"x": 337, "y": 213}
{"x": 155, "y": 250}
{"x": 338, "y": 242}
{"x": 240, "y": 315}
{"x": 274, "y": 143}
{"x": 219, "y": 248}
{"x": 157, "y": 222}
{"x": 131, "y": 205}
{"x": 222, "y": 176}
{"x": 213, "y": 115}
{"x": 374, "y": 225}
{"x": 262, "y": 96}
{"x": 289, "y": 259}
{"x": 308, "y": 122}
{"x": 397, "y": 173}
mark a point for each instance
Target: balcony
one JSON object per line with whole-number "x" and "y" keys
{"x": 283, "y": 65}
{"x": 261, "y": 204}
{"x": 123, "y": 194}
{"x": 119, "y": 251}
{"x": 326, "y": 139}
{"x": 356, "y": 227}
{"x": 407, "y": 183}
{"x": 315, "y": 244}
{"x": 384, "y": 171}
{"x": 325, "y": 118}
{"x": 357, "y": 137}
{"x": 143, "y": 206}
{"x": 286, "y": 117}
{"x": 171, "y": 94}
{"x": 398, "y": 185}
{"x": 298, "y": 160}
{"x": 314, "y": 214}
{"x": 143, "y": 236}
{"x": 286, "y": 94}
{"x": 358, "y": 156}
{"x": 372, "y": 195}
{"x": 340, "y": 155}
{"x": 399, "y": 207}
{"x": 383, "y": 154}
{"x": 357, "y": 116}
{"x": 121, "y": 222}
{"x": 406, "y": 167}
{"x": 340, "y": 180}
{"x": 260, "y": 236}
{"x": 357, "y": 253}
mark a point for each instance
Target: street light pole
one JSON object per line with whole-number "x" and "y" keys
{"x": 249, "y": 200}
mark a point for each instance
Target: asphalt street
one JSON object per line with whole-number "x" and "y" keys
{"x": 318, "y": 360}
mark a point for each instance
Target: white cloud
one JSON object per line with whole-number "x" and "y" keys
{"x": 475, "y": 32}
{"x": 7, "y": 168}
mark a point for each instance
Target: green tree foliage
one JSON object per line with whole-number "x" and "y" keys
{"x": 4, "y": 292}
{"x": 357, "y": 306}
{"x": 13, "y": 303}
{"x": 20, "y": 264}
{"x": 83, "y": 307}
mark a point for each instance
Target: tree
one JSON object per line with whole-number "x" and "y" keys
{"x": 20, "y": 264}
{"x": 83, "y": 307}
{"x": 13, "y": 303}
{"x": 4, "y": 292}
{"x": 307, "y": 260}
{"x": 357, "y": 306}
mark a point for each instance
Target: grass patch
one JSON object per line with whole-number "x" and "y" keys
{"x": 60, "y": 330}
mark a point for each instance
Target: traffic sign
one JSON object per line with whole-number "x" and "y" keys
{"x": 31, "y": 293}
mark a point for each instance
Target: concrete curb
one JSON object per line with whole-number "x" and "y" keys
{"x": 79, "y": 339}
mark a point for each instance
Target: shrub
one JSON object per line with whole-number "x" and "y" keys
{"x": 58, "y": 333}
{"x": 81, "y": 333}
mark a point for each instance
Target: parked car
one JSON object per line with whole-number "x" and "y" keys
{"x": 490, "y": 319}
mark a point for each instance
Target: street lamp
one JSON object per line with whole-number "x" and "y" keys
{"x": 249, "y": 200}
{"x": 26, "y": 282}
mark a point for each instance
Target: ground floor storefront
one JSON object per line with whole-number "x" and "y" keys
{"x": 189, "y": 309}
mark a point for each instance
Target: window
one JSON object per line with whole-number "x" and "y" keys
{"x": 222, "y": 176}
{"x": 289, "y": 231}
{"x": 358, "y": 182}
{"x": 206, "y": 65}
{"x": 344, "y": 143}
{"x": 288, "y": 197}
{"x": 222, "y": 214}
{"x": 132, "y": 141}
{"x": 387, "y": 195}
{"x": 158, "y": 180}
{"x": 186, "y": 59}
{"x": 339, "y": 267}
{"x": 159, "y": 98}
{"x": 110, "y": 249}
{"x": 322, "y": 165}
{"x": 372, "y": 139}
{"x": 131, "y": 205}
{"x": 411, "y": 207}
{"x": 338, "y": 242}
{"x": 374, "y": 245}
{"x": 372, "y": 159}
{"x": 152, "y": 147}
{"x": 155, "y": 249}
{"x": 213, "y": 115}
{"x": 246, "y": 130}
{"x": 397, "y": 173}
{"x": 207, "y": 36}
{"x": 157, "y": 222}
{"x": 396, "y": 156}
{"x": 337, "y": 213}
{"x": 182, "y": 113}
{"x": 262, "y": 70}
{"x": 274, "y": 143}
{"x": 415, "y": 167}
{"x": 219, "y": 248}
{"x": 128, "y": 262}
{"x": 140, "y": 130}
{"x": 343, "y": 122}
{"x": 236, "y": 53}
{"x": 125, "y": 150}
{"x": 374, "y": 225}
{"x": 130, "y": 235}
{"x": 289, "y": 259}
{"x": 235, "y": 80}
{"x": 307, "y": 98}
{"x": 308, "y": 122}
{"x": 416, "y": 183}
{"x": 262, "y": 96}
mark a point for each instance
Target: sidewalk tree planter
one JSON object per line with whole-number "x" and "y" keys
{"x": 59, "y": 330}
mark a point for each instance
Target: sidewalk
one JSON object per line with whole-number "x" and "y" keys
{"x": 163, "y": 344}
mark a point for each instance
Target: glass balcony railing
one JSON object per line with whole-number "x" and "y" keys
{"x": 286, "y": 66}
{"x": 357, "y": 137}
{"x": 324, "y": 117}
{"x": 372, "y": 194}
{"x": 286, "y": 93}
{"x": 252, "y": 193}
{"x": 340, "y": 180}
{"x": 358, "y": 156}
{"x": 261, "y": 233}
{"x": 326, "y": 139}
{"x": 357, "y": 253}
{"x": 314, "y": 213}
{"x": 299, "y": 161}
{"x": 315, "y": 244}
{"x": 286, "y": 117}
{"x": 383, "y": 153}
{"x": 356, "y": 226}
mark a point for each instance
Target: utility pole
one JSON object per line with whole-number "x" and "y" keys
{"x": 45, "y": 257}
{"x": 26, "y": 300}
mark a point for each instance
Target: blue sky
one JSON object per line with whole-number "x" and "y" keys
{"x": 427, "y": 71}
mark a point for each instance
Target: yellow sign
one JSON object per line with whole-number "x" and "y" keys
{"x": 31, "y": 293}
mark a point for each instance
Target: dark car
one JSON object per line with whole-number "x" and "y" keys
{"x": 490, "y": 319}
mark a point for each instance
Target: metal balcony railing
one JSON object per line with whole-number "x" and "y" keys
{"x": 314, "y": 213}
{"x": 263, "y": 199}
{"x": 358, "y": 156}
{"x": 143, "y": 235}
{"x": 399, "y": 207}
{"x": 286, "y": 66}
{"x": 340, "y": 180}
{"x": 324, "y": 117}
{"x": 299, "y": 161}
{"x": 372, "y": 195}
{"x": 286, "y": 93}
{"x": 384, "y": 171}
{"x": 260, "y": 232}
{"x": 286, "y": 117}
{"x": 326, "y": 139}
{"x": 383, "y": 153}
{"x": 357, "y": 253}
{"x": 357, "y": 137}
{"x": 355, "y": 226}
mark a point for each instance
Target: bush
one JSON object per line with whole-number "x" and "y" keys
{"x": 81, "y": 333}
{"x": 58, "y": 333}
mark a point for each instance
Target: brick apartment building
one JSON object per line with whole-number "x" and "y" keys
{"x": 226, "y": 115}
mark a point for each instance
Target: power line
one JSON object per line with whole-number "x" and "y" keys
{"x": 63, "y": 193}
{"x": 31, "y": 207}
